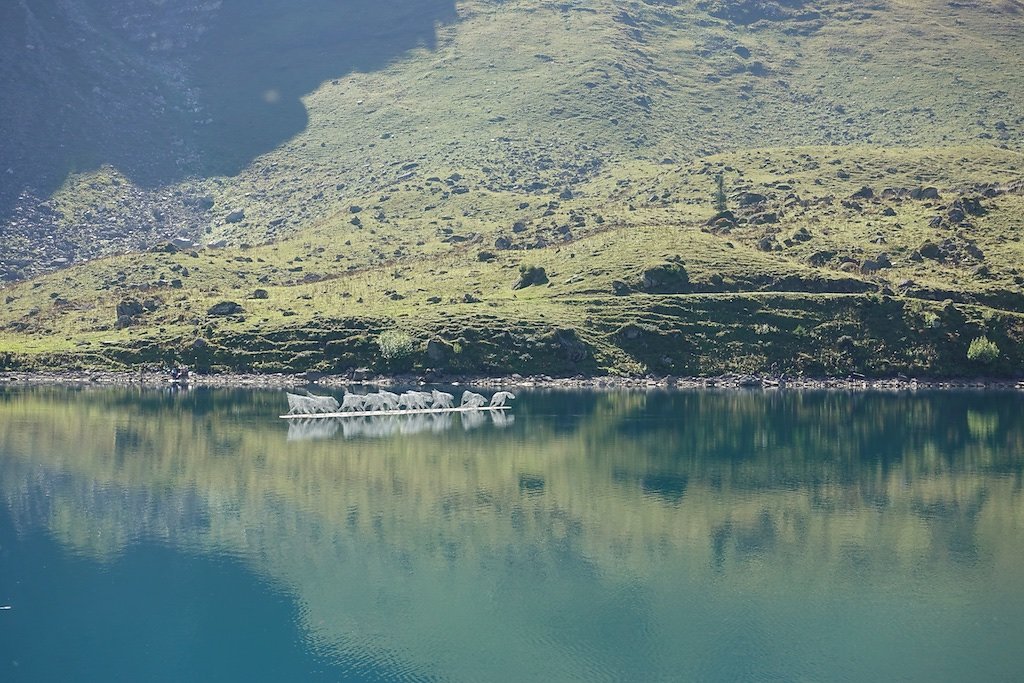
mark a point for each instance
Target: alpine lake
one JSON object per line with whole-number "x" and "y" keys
{"x": 193, "y": 535}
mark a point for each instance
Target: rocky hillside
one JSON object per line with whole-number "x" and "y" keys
{"x": 137, "y": 103}
{"x": 395, "y": 165}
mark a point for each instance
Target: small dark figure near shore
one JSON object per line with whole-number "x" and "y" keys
{"x": 179, "y": 373}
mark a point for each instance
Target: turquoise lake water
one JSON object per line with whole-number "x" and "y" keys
{"x": 153, "y": 535}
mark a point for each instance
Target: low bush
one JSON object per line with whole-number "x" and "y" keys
{"x": 396, "y": 349}
{"x": 982, "y": 350}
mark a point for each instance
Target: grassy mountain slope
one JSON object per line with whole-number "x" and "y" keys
{"x": 871, "y": 157}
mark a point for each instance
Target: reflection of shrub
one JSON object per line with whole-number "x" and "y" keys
{"x": 982, "y": 425}
{"x": 982, "y": 350}
{"x": 396, "y": 349}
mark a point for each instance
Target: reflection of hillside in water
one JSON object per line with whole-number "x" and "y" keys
{"x": 382, "y": 426}
{"x": 581, "y": 497}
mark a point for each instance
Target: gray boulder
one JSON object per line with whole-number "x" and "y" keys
{"x": 129, "y": 308}
{"x": 225, "y": 308}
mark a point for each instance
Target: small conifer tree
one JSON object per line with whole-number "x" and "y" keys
{"x": 720, "y": 193}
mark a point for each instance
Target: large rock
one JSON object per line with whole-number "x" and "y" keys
{"x": 235, "y": 216}
{"x": 929, "y": 250}
{"x": 820, "y": 258}
{"x": 924, "y": 193}
{"x": 438, "y": 351}
{"x": 969, "y": 205}
{"x": 665, "y": 278}
{"x": 572, "y": 346}
{"x": 764, "y": 218}
{"x": 129, "y": 308}
{"x": 874, "y": 265}
{"x": 529, "y": 276}
{"x": 745, "y": 199}
{"x": 164, "y": 248}
{"x": 204, "y": 203}
{"x": 225, "y": 308}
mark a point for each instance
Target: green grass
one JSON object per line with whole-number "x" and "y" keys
{"x": 716, "y": 320}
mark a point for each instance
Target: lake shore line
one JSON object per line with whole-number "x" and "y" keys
{"x": 285, "y": 381}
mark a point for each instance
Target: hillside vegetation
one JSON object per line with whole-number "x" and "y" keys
{"x": 519, "y": 187}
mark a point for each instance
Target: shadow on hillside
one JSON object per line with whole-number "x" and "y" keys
{"x": 252, "y": 80}
{"x": 167, "y": 92}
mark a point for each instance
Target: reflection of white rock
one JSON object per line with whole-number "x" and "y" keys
{"x": 384, "y": 424}
{"x": 414, "y": 424}
{"x": 441, "y": 422}
{"x": 472, "y": 419}
{"x": 351, "y": 428}
{"x": 374, "y": 427}
{"x": 388, "y": 425}
{"x": 302, "y": 430}
{"x": 502, "y": 419}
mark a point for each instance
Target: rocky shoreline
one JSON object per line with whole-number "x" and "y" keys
{"x": 731, "y": 381}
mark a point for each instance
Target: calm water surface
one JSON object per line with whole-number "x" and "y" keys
{"x": 150, "y": 536}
